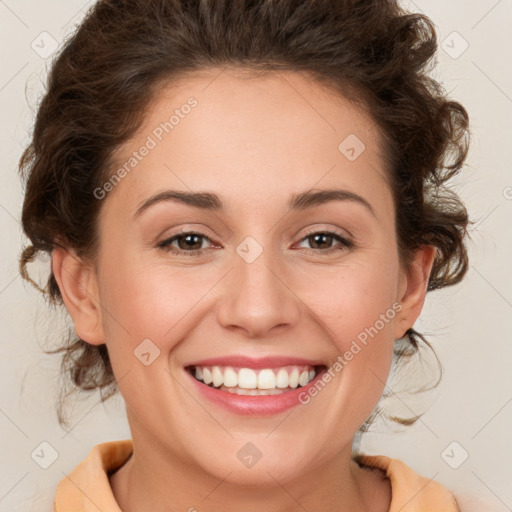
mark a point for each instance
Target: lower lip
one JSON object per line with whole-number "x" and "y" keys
{"x": 250, "y": 404}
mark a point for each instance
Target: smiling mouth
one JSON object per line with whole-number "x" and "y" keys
{"x": 255, "y": 382}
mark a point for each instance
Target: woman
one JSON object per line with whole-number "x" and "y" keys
{"x": 298, "y": 151}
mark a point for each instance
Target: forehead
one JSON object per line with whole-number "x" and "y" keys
{"x": 247, "y": 134}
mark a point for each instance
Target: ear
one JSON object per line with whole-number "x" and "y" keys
{"x": 78, "y": 286}
{"x": 413, "y": 289}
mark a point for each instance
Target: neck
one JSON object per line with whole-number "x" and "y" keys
{"x": 155, "y": 481}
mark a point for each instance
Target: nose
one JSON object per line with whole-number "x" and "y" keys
{"x": 257, "y": 300}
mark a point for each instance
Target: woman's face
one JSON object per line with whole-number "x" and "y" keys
{"x": 261, "y": 290}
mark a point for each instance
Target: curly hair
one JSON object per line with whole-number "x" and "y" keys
{"x": 373, "y": 52}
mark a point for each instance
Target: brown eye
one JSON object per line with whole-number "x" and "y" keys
{"x": 322, "y": 242}
{"x": 321, "y": 239}
{"x": 187, "y": 243}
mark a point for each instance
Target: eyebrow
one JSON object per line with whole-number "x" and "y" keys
{"x": 210, "y": 201}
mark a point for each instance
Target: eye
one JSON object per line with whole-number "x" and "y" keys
{"x": 321, "y": 239}
{"x": 188, "y": 242}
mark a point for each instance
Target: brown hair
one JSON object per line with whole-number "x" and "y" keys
{"x": 371, "y": 51}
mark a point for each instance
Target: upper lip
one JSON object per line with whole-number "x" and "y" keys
{"x": 256, "y": 363}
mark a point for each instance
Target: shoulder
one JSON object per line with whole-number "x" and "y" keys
{"x": 89, "y": 480}
{"x": 411, "y": 492}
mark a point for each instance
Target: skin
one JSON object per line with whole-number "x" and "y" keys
{"x": 254, "y": 141}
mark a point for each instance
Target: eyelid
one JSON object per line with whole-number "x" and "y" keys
{"x": 187, "y": 230}
{"x": 342, "y": 233}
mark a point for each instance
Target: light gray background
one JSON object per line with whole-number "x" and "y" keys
{"x": 469, "y": 325}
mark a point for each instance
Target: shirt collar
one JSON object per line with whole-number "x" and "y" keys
{"x": 87, "y": 488}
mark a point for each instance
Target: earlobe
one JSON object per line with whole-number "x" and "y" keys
{"x": 414, "y": 289}
{"x": 79, "y": 289}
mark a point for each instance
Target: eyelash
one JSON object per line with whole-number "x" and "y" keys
{"x": 345, "y": 243}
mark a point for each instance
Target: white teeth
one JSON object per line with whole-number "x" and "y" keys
{"x": 293, "y": 379}
{"x": 218, "y": 378}
{"x": 266, "y": 379}
{"x": 230, "y": 378}
{"x": 304, "y": 378}
{"x": 247, "y": 381}
{"x": 247, "y": 378}
{"x": 282, "y": 378}
{"x": 207, "y": 376}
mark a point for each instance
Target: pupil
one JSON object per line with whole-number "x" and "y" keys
{"x": 321, "y": 235}
{"x": 187, "y": 239}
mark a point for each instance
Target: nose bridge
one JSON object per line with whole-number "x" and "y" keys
{"x": 256, "y": 296}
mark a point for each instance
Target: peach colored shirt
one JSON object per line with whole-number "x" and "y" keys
{"x": 87, "y": 487}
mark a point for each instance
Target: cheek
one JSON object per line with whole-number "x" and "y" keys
{"x": 147, "y": 310}
{"x": 358, "y": 308}
{"x": 355, "y": 299}
{"x": 150, "y": 301}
